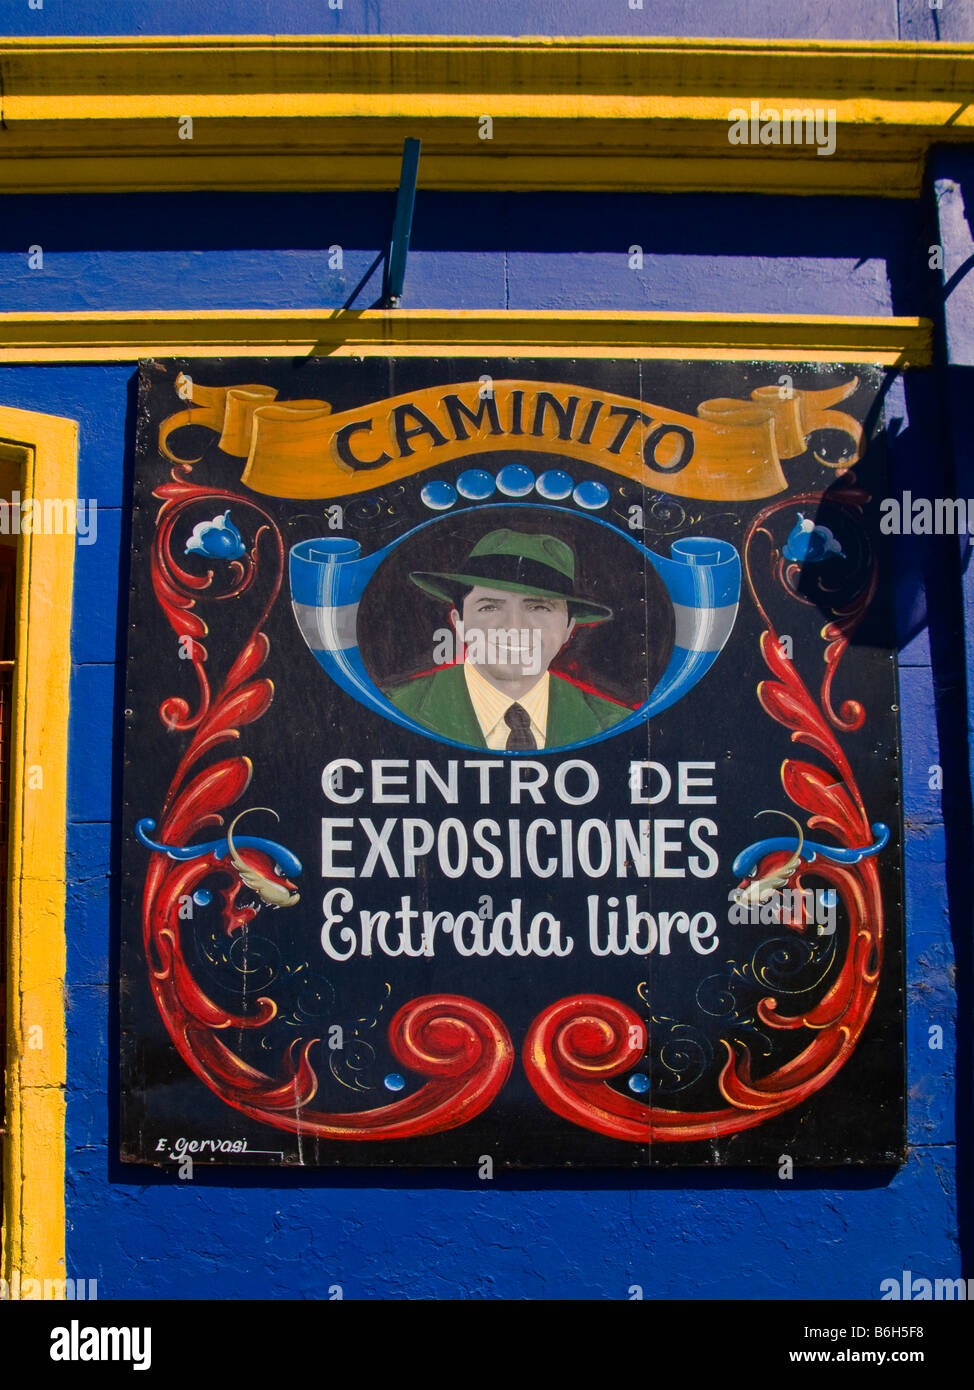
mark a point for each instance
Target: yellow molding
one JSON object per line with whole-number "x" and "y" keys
{"x": 315, "y": 112}
{"x": 127, "y": 335}
{"x": 33, "y": 1186}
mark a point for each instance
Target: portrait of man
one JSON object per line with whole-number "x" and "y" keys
{"x": 514, "y": 606}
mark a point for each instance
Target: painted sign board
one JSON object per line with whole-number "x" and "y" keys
{"x": 511, "y": 766}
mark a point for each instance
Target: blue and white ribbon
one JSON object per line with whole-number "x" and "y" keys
{"x": 329, "y": 576}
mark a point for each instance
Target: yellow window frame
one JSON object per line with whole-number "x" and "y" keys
{"x": 46, "y": 446}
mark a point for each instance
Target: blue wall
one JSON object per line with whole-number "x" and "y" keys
{"x": 696, "y": 1235}
{"x": 784, "y": 255}
{"x": 403, "y": 1236}
{"x": 806, "y": 19}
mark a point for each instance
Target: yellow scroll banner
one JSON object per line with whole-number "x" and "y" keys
{"x": 731, "y": 450}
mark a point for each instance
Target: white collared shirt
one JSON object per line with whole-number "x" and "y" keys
{"x": 490, "y": 706}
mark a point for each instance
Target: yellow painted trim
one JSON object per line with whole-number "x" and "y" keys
{"x": 33, "y": 1216}
{"x": 314, "y": 112}
{"x": 126, "y": 336}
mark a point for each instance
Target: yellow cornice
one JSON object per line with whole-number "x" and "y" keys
{"x": 124, "y": 336}
{"x": 332, "y": 112}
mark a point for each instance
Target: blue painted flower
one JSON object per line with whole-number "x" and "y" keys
{"x": 809, "y": 544}
{"x": 218, "y": 539}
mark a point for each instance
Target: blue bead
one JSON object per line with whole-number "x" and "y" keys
{"x": 555, "y": 485}
{"x": 439, "y": 496}
{"x": 394, "y": 1082}
{"x": 592, "y": 496}
{"x": 218, "y": 539}
{"x": 476, "y": 484}
{"x": 202, "y": 897}
{"x": 639, "y": 1083}
{"x": 515, "y": 480}
{"x": 809, "y": 544}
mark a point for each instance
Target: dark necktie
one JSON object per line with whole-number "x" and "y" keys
{"x": 520, "y": 739}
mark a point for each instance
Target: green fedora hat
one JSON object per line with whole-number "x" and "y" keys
{"x": 522, "y": 564}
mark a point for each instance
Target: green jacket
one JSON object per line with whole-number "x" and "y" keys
{"x": 440, "y": 702}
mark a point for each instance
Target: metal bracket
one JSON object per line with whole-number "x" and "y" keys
{"x": 394, "y": 273}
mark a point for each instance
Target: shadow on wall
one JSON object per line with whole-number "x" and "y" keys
{"x": 931, "y": 458}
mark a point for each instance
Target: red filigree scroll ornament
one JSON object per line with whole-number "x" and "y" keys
{"x": 461, "y": 1048}
{"x": 578, "y": 1045}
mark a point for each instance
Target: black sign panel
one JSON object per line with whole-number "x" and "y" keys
{"x": 511, "y": 770}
